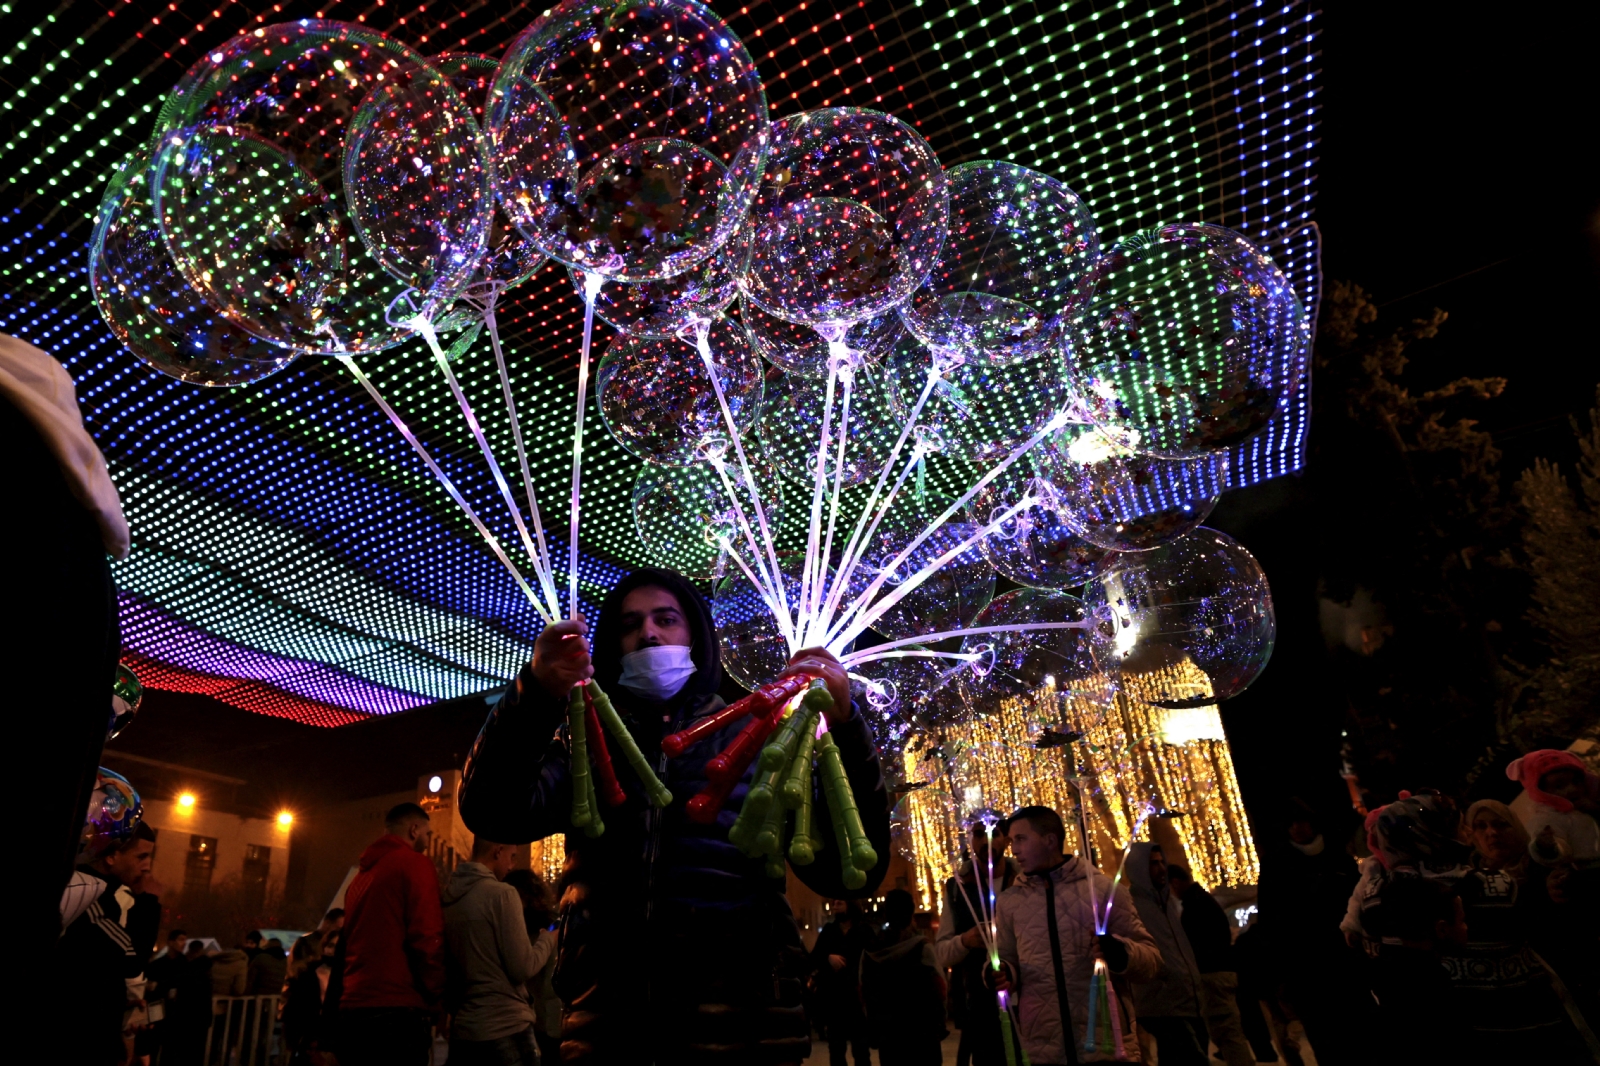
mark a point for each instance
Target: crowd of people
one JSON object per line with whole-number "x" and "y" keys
{"x": 1434, "y": 934}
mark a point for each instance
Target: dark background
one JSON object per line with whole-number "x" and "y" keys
{"x": 1457, "y": 170}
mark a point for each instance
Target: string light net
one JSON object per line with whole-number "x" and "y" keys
{"x": 1131, "y": 754}
{"x": 292, "y": 556}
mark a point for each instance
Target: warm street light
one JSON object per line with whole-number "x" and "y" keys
{"x": 186, "y": 801}
{"x": 285, "y": 819}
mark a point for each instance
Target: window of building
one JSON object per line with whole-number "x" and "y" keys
{"x": 201, "y": 860}
{"x": 257, "y": 864}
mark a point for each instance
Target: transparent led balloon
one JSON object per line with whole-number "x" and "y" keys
{"x": 652, "y": 100}
{"x": 1034, "y": 546}
{"x": 509, "y": 257}
{"x": 1115, "y": 498}
{"x": 849, "y": 217}
{"x": 754, "y": 649}
{"x": 1191, "y": 339}
{"x": 901, "y": 693}
{"x": 791, "y": 425}
{"x": 250, "y": 187}
{"x": 1060, "y": 651}
{"x": 152, "y": 310}
{"x": 799, "y": 349}
{"x": 657, "y": 399}
{"x": 1188, "y": 623}
{"x": 687, "y": 520}
{"x": 980, "y": 411}
{"x": 417, "y": 179}
{"x": 948, "y": 598}
{"x": 670, "y": 306}
{"x": 1019, "y": 244}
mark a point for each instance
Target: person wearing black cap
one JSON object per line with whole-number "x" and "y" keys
{"x": 675, "y": 946}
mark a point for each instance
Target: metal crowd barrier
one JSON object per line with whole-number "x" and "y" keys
{"x": 243, "y": 1031}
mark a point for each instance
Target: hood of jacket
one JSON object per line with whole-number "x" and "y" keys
{"x": 231, "y": 957}
{"x": 1176, "y": 989}
{"x": 467, "y": 876}
{"x": 380, "y": 849}
{"x": 606, "y": 637}
{"x": 1136, "y": 872}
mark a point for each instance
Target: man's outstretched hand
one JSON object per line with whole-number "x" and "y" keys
{"x": 561, "y": 657}
{"x": 820, "y": 662}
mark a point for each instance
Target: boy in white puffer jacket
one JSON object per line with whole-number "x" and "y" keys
{"x": 1050, "y": 963}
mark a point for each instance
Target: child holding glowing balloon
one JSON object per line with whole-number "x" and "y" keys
{"x": 676, "y": 944}
{"x": 1067, "y": 940}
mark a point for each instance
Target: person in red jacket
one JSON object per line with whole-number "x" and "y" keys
{"x": 392, "y": 979}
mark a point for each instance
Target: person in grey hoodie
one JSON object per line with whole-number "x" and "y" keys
{"x": 489, "y": 957}
{"x": 1169, "y": 1003}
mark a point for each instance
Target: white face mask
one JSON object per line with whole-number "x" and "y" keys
{"x": 657, "y": 673}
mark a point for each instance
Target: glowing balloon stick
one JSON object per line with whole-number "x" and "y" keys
{"x": 424, "y": 327}
{"x": 818, "y": 479}
{"x": 848, "y": 374}
{"x": 591, "y": 288}
{"x": 852, "y": 555}
{"x": 886, "y": 650}
{"x": 1100, "y": 920}
{"x": 1054, "y": 425}
{"x": 542, "y": 558}
{"x": 866, "y": 617}
{"x": 449, "y": 486}
{"x": 702, "y": 334}
{"x": 763, "y": 584}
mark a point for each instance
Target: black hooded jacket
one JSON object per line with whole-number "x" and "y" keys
{"x": 516, "y": 785}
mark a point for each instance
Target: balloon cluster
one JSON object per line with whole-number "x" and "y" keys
{"x": 807, "y": 310}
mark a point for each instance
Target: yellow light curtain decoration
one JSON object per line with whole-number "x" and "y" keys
{"x": 548, "y": 857}
{"x": 1132, "y": 753}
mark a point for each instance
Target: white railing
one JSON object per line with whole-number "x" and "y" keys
{"x": 243, "y": 1031}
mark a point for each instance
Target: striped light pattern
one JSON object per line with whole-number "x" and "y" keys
{"x": 291, "y": 554}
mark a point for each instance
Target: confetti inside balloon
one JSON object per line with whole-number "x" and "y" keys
{"x": 791, "y": 427}
{"x": 949, "y": 597}
{"x": 849, "y": 218}
{"x": 1019, "y": 245}
{"x": 510, "y": 258}
{"x": 653, "y": 100}
{"x": 1034, "y": 546}
{"x": 1115, "y": 498}
{"x": 686, "y": 520}
{"x": 416, "y": 175}
{"x": 1188, "y": 623}
{"x": 115, "y": 811}
{"x": 1190, "y": 338}
{"x": 754, "y": 650}
{"x": 670, "y": 306}
{"x": 657, "y": 399}
{"x": 798, "y": 349}
{"x": 152, "y": 310}
{"x": 250, "y": 186}
{"x": 1019, "y": 663}
{"x": 126, "y": 696}
{"x": 980, "y": 412}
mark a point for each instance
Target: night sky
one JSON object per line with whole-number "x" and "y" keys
{"x": 1457, "y": 169}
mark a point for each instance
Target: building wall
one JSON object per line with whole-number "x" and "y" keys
{"x": 334, "y": 838}
{"x": 175, "y": 825}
